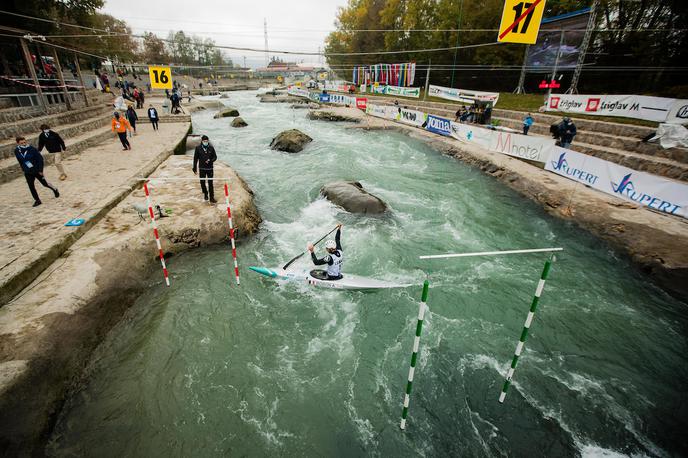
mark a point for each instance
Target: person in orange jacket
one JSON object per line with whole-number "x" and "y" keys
{"x": 120, "y": 126}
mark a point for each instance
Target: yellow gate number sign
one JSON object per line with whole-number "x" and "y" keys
{"x": 160, "y": 77}
{"x": 521, "y": 21}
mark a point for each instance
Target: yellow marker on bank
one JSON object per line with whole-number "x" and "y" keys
{"x": 160, "y": 77}
{"x": 521, "y": 21}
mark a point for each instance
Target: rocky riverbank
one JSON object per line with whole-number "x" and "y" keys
{"x": 49, "y": 331}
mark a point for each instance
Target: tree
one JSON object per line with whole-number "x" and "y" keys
{"x": 154, "y": 49}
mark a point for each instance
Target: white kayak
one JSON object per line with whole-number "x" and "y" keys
{"x": 316, "y": 278}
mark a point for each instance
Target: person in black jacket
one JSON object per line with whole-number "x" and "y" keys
{"x": 132, "y": 117}
{"x": 31, "y": 163}
{"x": 153, "y": 117}
{"x": 52, "y": 141}
{"x": 204, "y": 156}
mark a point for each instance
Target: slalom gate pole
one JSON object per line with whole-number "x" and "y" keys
{"x": 414, "y": 355}
{"x": 526, "y": 327}
{"x": 155, "y": 232}
{"x": 231, "y": 234}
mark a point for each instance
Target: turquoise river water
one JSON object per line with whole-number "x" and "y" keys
{"x": 206, "y": 368}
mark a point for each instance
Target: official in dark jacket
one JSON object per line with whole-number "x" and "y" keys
{"x": 567, "y": 130}
{"x": 52, "y": 141}
{"x": 31, "y": 163}
{"x": 153, "y": 117}
{"x": 204, "y": 156}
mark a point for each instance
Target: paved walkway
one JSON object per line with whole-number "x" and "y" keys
{"x": 31, "y": 238}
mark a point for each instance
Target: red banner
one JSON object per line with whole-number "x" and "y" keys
{"x": 361, "y": 103}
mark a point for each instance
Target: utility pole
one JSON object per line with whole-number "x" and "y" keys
{"x": 556, "y": 64}
{"x": 60, "y": 76}
{"x": 32, "y": 72}
{"x": 267, "y": 57}
{"x": 427, "y": 80}
{"x": 458, "y": 36}
{"x": 584, "y": 48}
{"x": 520, "y": 89}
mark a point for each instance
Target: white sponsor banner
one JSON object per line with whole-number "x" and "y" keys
{"x": 462, "y": 95}
{"x": 412, "y": 117}
{"x": 341, "y": 99}
{"x": 297, "y": 91}
{"x": 528, "y": 147}
{"x": 340, "y": 86}
{"x": 381, "y": 111}
{"x": 656, "y": 192}
{"x": 659, "y": 109}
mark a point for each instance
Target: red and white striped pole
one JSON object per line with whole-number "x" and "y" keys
{"x": 155, "y": 231}
{"x": 231, "y": 234}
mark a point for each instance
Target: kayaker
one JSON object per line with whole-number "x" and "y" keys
{"x": 334, "y": 258}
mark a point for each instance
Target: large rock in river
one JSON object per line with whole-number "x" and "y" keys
{"x": 227, "y": 112}
{"x": 238, "y": 122}
{"x": 291, "y": 141}
{"x": 353, "y": 198}
{"x": 322, "y": 115}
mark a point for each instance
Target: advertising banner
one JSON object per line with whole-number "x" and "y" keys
{"x": 528, "y": 147}
{"x": 659, "y": 109}
{"x": 659, "y": 193}
{"x": 403, "y": 91}
{"x": 438, "y": 125}
{"x": 361, "y": 103}
{"x": 341, "y": 99}
{"x": 314, "y": 96}
{"x": 292, "y": 90}
{"x": 412, "y": 117}
{"x": 462, "y": 95}
{"x": 381, "y": 111}
{"x": 324, "y": 98}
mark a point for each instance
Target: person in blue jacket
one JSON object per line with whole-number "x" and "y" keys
{"x": 527, "y": 122}
{"x": 31, "y": 163}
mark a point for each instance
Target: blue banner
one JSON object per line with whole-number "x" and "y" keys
{"x": 438, "y": 125}
{"x": 325, "y": 98}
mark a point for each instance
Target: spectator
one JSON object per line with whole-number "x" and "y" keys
{"x": 31, "y": 163}
{"x": 142, "y": 97}
{"x": 204, "y": 156}
{"x": 527, "y": 122}
{"x": 132, "y": 117}
{"x": 153, "y": 117}
{"x": 120, "y": 126}
{"x": 567, "y": 130}
{"x": 55, "y": 145}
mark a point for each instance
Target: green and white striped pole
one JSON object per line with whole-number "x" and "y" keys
{"x": 526, "y": 327}
{"x": 414, "y": 356}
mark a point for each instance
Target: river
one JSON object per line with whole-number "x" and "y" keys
{"x": 206, "y": 368}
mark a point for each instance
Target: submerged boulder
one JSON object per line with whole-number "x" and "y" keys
{"x": 351, "y": 196}
{"x": 291, "y": 141}
{"x": 331, "y": 116}
{"x": 238, "y": 122}
{"x": 227, "y": 112}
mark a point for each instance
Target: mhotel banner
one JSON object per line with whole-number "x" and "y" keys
{"x": 658, "y": 109}
{"x": 656, "y": 192}
{"x": 528, "y": 147}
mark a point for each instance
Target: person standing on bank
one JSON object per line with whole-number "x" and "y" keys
{"x": 204, "y": 156}
{"x": 567, "y": 130}
{"x": 153, "y": 117}
{"x": 527, "y": 122}
{"x": 52, "y": 142}
{"x": 120, "y": 126}
{"x": 31, "y": 163}
{"x": 132, "y": 117}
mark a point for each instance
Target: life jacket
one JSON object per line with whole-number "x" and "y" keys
{"x": 335, "y": 269}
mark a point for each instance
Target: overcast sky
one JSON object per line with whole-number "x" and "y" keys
{"x": 292, "y": 25}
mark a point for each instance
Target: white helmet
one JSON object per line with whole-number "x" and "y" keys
{"x": 330, "y": 245}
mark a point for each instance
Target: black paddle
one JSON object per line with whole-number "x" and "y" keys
{"x": 320, "y": 240}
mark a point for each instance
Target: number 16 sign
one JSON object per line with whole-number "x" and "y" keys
{"x": 160, "y": 77}
{"x": 521, "y": 21}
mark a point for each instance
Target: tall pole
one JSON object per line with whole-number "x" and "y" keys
{"x": 584, "y": 48}
{"x": 556, "y": 63}
{"x": 427, "y": 80}
{"x": 32, "y": 72}
{"x": 267, "y": 57}
{"x": 458, "y": 36}
{"x": 81, "y": 79}
{"x": 520, "y": 89}
{"x": 414, "y": 356}
{"x": 60, "y": 76}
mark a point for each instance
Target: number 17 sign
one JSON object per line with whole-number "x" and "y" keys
{"x": 521, "y": 21}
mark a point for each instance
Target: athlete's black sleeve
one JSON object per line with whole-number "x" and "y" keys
{"x": 337, "y": 239}
{"x": 321, "y": 262}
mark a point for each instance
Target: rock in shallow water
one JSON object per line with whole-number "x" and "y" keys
{"x": 291, "y": 141}
{"x": 330, "y": 116}
{"x": 351, "y": 196}
{"x": 227, "y": 112}
{"x": 238, "y": 122}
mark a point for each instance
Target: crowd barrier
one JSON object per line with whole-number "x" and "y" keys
{"x": 658, "y": 109}
{"x": 645, "y": 189}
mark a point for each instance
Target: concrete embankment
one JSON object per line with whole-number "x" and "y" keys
{"x": 48, "y": 332}
{"x": 656, "y": 242}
